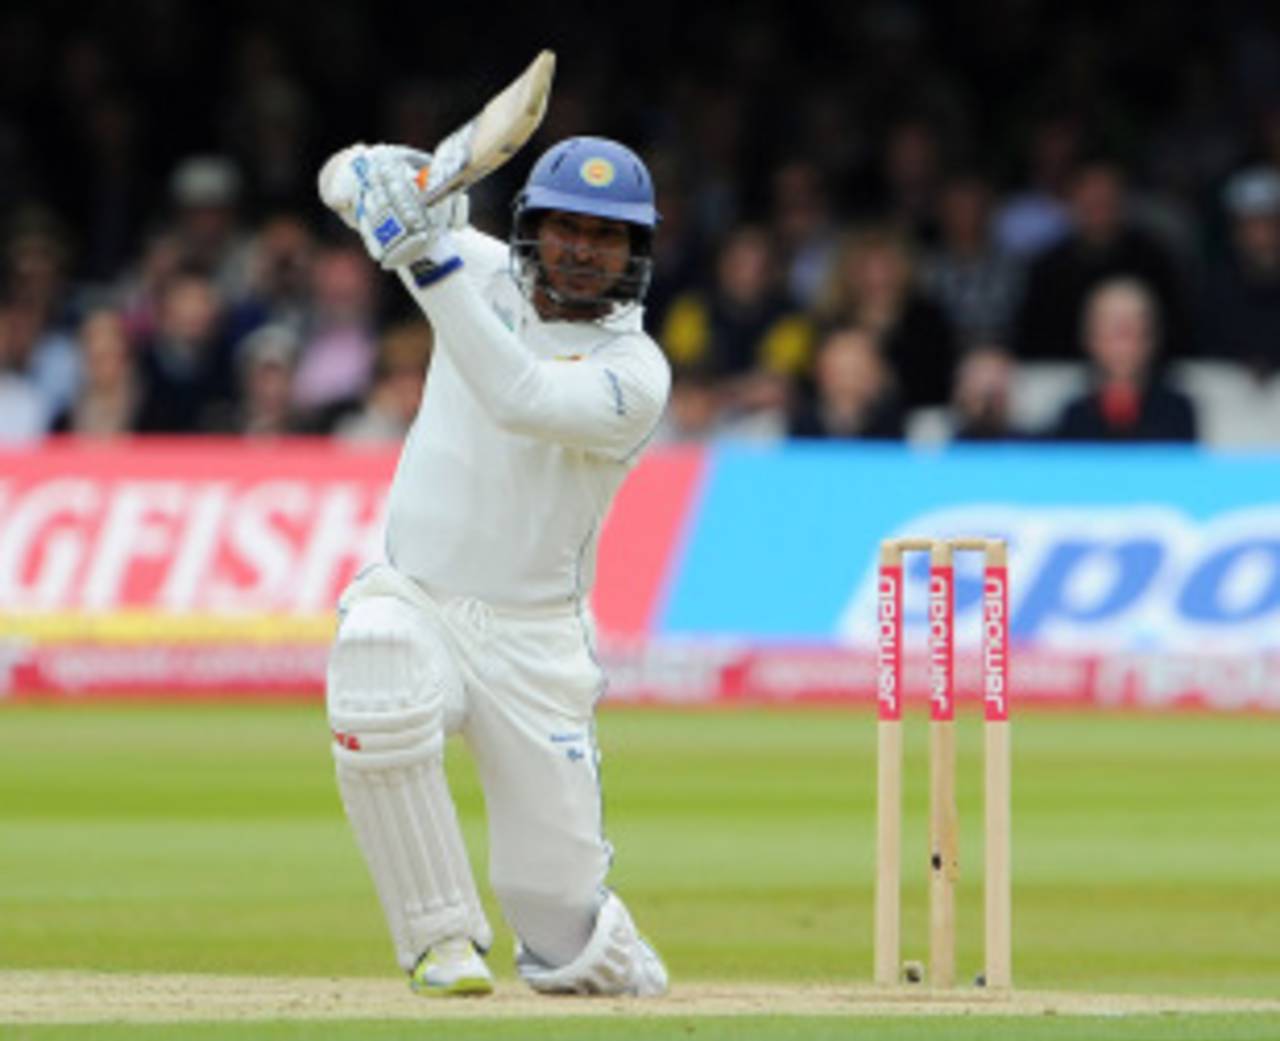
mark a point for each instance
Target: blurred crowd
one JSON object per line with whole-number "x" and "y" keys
{"x": 870, "y": 216}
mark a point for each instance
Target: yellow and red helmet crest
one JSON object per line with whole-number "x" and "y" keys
{"x": 597, "y": 171}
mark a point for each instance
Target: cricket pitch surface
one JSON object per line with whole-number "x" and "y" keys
{"x": 99, "y": 997}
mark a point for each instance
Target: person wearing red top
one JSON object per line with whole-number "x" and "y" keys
{"x": 1130, "y": 400}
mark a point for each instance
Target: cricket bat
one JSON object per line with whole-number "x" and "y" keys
{"x": 470, "y": 153}
{"x": 484, "y": 143}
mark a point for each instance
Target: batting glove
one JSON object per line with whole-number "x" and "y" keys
{"x": 377, "y": 190}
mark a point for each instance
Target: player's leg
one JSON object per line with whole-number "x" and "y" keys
{"x": 547, "y": 855}
{"x": 535, "y": 751}
{"x": 615, "y": 960}
{"x": 391, "y": 682}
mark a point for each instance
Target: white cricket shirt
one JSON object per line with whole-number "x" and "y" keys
{"x": 526, "y": 430}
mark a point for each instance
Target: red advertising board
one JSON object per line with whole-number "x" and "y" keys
{"x": 225, "y": 528}
{"x": 200, "y": 565}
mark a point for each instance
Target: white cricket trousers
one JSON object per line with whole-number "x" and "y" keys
{"x": 525, "y": 707}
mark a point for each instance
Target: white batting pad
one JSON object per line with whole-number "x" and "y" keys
{"x": 388, "y": 680}
{"x": 616, "y": 960}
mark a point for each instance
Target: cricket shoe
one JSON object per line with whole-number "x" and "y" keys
{"x": 452, "y": 968}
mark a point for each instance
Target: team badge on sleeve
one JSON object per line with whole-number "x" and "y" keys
{"x": 597, "y": 172}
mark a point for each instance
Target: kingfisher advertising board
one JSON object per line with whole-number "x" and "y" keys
{"x": 171, "y": 566}
{"x": 1138, "y": 577}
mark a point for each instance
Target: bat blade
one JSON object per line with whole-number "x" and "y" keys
{"x": 501, "y": 128}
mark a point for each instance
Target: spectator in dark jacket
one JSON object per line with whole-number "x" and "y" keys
{"x": 187, "y": 371}
{"x": 854, "y": 394}
{"x": 744, "y": 321}
{"x": 1130, "y": 399}
{"x": 1103, "y": 246}
{"x": 872, "y": 285}
{"x": 975, "y": 282}
{"x": 744, "y": 331}
{"x": 1240, "y": 316}
{"x": 982, "y": 407}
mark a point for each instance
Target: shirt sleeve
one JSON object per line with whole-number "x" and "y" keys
{"x": 482, "y": 255}
{"x": 609, "y": 402}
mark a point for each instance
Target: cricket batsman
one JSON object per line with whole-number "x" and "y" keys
{"x": 544, "y": 390}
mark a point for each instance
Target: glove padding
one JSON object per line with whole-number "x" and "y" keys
{"x": 376, "y": 191}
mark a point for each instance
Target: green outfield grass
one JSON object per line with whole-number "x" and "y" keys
{"x": 970, "y": 1028}
{"x": 210, "y": 839}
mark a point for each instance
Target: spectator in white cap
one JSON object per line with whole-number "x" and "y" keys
{"x": 265, "y": 362}
{"x": 1240, "y": 313}
{"x": 205, "y": 192}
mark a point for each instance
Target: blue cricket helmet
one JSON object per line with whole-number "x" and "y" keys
{"x": 599, "y": 178}
{"x": 591, "y": 175}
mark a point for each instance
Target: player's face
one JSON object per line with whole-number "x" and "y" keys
{"x": 583, "y": 256}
